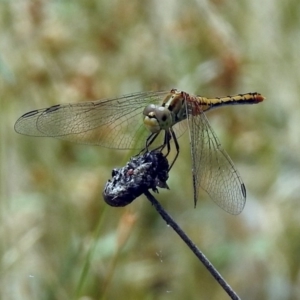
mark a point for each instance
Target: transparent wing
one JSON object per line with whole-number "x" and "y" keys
{"x": 213, "y": 169}
{"x": 113, "y": 123}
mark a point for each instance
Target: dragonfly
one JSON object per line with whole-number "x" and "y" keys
{"x": 136, "y": 121}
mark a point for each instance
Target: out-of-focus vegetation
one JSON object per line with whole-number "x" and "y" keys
{"x": 59, "y": 240}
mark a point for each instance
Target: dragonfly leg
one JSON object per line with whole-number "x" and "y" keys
{"x": 150, "y": 139}
{"x": 167, "y": 143}
{"x": 176, "y": 146}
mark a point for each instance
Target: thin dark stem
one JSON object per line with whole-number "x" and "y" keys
{"x": 169, "y": 220}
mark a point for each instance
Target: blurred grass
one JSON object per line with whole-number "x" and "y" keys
{"x": 58, "y": 238}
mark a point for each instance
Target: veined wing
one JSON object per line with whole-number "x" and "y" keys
{"x": 213, "y": 169}
{"x": 113, "y": 123}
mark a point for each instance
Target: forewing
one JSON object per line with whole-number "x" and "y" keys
{"x": 180, "y": 128}
{"x": 113, "y": 123}
{"x": 213, "y": 169}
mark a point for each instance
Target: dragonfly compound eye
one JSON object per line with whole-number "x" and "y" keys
{"x": 164, "y": 118}
{"x": 150, "y": 119}
{"x": 149, "y": 109}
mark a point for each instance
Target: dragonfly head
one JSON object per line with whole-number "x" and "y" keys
{"x": 157, "y": 118}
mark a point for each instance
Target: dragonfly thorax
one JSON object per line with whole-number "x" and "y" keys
{"x": 157, "y": 118}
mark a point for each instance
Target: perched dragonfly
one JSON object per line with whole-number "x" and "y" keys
{"x": 122, "y": 123}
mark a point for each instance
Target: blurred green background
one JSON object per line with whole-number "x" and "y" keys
{"x": 59, "y": 240}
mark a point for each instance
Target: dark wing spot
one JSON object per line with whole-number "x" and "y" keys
{"x": 30, "y": 114}
{"x": 243, "y": 190}
{"x": 52, "y": 108}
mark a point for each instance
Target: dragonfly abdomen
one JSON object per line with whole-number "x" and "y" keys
{"x": 240, "y": 99}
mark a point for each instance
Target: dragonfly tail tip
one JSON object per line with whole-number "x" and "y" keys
{"x": 260, "y": 98}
